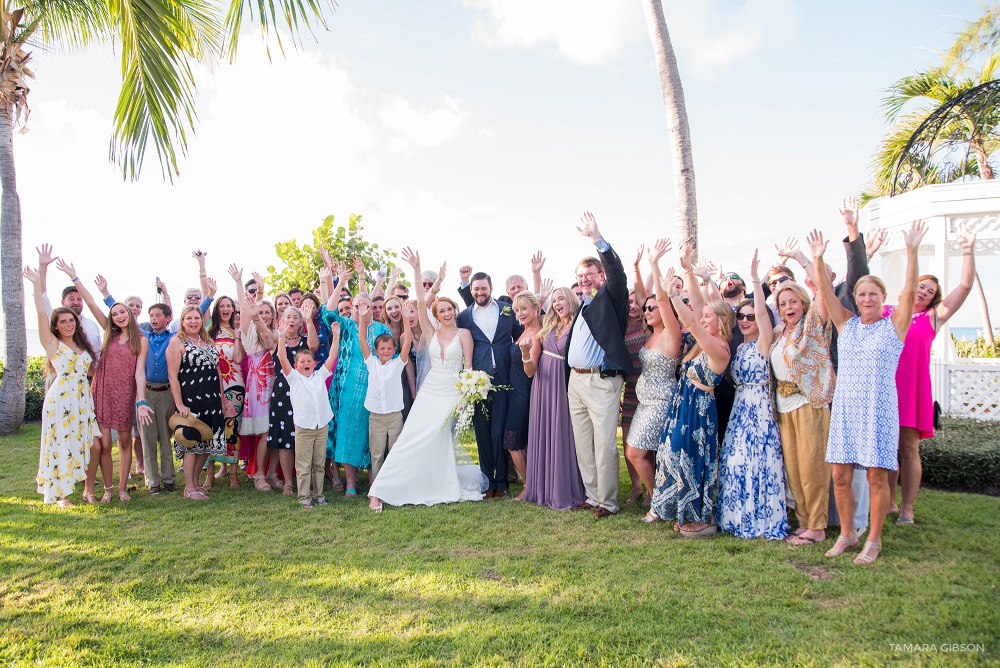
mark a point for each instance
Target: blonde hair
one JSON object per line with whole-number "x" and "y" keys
{"x": 527, "y": 298}
{"x": 551, "y": 321}
{"x": 183, "y": 335}
{"x": 871, "y": 279}
{"x": 799, "y": 291}
{"x": 724, "y": 312}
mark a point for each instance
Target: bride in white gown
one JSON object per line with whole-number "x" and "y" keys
{"x": 422, "y": 466}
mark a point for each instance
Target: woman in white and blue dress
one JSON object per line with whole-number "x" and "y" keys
{"x": 654, "y": 390}
{"x": 864, "y": 419}
{"x": 751, "y": 473}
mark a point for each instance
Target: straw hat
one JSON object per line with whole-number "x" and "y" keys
{"x": 189, "y": 431}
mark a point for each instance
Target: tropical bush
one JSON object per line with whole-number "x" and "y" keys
{"x": 34, "y": 390}
{"x": 964, "y": 455}
{"x": 976, "y": 348}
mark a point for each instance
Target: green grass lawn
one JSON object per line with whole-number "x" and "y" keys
{"x": 249, "y": 579}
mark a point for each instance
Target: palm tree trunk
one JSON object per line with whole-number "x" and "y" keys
{"x": 982, "y": 159}
{"x": 984, "y": 310}
{"x": 677, "y": 125}
{"x": 11, "y": 286}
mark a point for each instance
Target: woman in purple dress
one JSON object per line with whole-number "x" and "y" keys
{"x": 553, "y": 475}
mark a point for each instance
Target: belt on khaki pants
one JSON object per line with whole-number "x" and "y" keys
{"x": 153, "y": 388}
{"x": 593, "y": 369}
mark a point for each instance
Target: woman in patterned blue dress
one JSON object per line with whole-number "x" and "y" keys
{"x": 347, "y": 442}
{"x": 686, "y": 463}
{"x": 864, "y": 419}
{"x": 751, "y": 472}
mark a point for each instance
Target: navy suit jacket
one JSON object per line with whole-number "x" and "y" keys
{"x": 508, "y": 331}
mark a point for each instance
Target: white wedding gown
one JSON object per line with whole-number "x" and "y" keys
{"x": 422, "y": 467}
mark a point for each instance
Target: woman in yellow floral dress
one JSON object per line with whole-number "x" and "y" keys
{"x": 70, "y": 436}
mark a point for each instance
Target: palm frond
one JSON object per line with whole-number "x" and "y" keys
{"x": 934, "y": 85}
{"x": 293, "y": 15}
{"x": 156, "y": 101}
{"x": 982, "y": 33}
{"x": 68, "y": 24}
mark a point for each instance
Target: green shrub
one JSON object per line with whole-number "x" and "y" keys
{"x": 34, "y": 389}
{"x": 976, "y": 347}
{"x": 963, "y": 456}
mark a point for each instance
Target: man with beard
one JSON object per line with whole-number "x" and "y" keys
{"x": 71, "y": 298}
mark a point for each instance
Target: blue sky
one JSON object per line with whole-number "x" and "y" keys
{"x": 479, "y": 130}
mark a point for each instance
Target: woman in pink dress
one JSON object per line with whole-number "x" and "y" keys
{"x": 913, "y": 376}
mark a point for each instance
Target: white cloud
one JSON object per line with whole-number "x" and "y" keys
{"x": 422, "y": 127}
{"x": 584, "y": 31}
{"x": 715, "y": 34}
{"x": 709, "y": 34}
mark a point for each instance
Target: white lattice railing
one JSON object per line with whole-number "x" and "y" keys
{"x": 969, "y": 389}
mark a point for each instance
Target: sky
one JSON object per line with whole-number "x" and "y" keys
{"x": 478, "y": 131}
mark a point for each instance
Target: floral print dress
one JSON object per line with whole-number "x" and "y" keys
{"x": 233, "y": 392}
{"x": 69, "y": 426}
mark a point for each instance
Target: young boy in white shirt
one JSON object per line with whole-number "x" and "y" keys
{"x": 385, "y": 387}
{"x": 311, "y": 413}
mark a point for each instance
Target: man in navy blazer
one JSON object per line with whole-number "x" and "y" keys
{"x": 494, "y": 328}
{"x": 596, "y": 363}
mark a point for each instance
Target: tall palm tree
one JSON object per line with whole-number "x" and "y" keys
{"x": 159, "y": 42}
{"x": 686, "y": 202}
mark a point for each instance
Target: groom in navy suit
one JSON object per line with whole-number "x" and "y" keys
{"x": 494, "y": 328}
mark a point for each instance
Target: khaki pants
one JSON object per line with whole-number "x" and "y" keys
{"x": 593, "y": 407}
{"x": 162, "y": 403}
{"x": 310, "y": 458}
{"x": 383, "y": 430}
{"x": 803, "y": 442}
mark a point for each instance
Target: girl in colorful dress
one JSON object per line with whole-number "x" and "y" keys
{"x": 864, "y": 420}
{"x": 913, "y": 377}
{"x": 70, "y": 436}
{"x": 751, "y": 473}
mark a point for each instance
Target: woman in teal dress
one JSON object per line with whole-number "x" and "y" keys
{"x": 687, "y": 460}
{"x": 347, "y": 442}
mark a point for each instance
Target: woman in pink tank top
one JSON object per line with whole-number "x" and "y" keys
{"x": 913, "y": 376}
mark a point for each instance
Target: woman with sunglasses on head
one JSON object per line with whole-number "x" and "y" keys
{"x": 751, "y": 476}
{"x": 658, "y": 357}
{"x": 259, "y": 338}
{"x": 913, "y": 377}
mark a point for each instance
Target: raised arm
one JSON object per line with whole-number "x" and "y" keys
{"x": 413, "y": 258}
{"x": 616, "y": 282}
{"x": 199, "y": 257}
{"x": 102, "y": 287}
{"x": 436, "y": 286}
{"x": 954, "y": 300}
{"x": 903, "y": 315}
{"x": 312, "y": 336}
{"x": 359, "y": 269}
{"x": 286, "y": 366}
{"x": 236, "y": 273}
{"x": 48, "y": 341}
{"x": 834, "y": 309}
{"x": 765, "y": 331}
{"x": 364, "y": 320}
{"x": 717, "y": 351}
{"x": 45, "y": 258}
{"x": 694, "y": 292}
{"x": 464, "y": 291}
{"x": 706, "y": 271}
{"x": 854, "y": 246}
{"x": 165, "y": 296}
{"x": 406, "y": 340}
{"x": 88, "y": 299}
{"x": 640, "y": 282}
{"x": 325, "y": 284}
{"x": 378, "y": 288}
{"x": 334, "y": 346}
{"x": 537, "y": 264}
{"x": 790, "y": 251}
{"x": 664, "y": 287}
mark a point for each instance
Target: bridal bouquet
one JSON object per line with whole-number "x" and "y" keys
{"x": 475, "y": 387}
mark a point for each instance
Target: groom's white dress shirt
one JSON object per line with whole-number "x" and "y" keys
{"x": 486, "y": 318}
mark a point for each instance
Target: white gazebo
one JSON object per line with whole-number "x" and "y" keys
{"x": 963, "y": 387}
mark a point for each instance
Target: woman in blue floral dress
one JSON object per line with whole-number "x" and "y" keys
{"x": 751, "y": 473}
{"x": 686, "y": 463}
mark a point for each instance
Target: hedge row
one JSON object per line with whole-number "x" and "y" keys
{"x": 964, "y": 456}
{"x": 34, "y": 391}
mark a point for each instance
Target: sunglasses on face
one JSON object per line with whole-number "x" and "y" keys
{"x": 252, "y": 291}
{"x": 686, "y": 300}
{"x": 778, "y": 281}
{"x": 734, "y": 277}
{"x": 428, "y": 284}
{"x": 650, "y": 308}
{"x": 193, "y": 297}
{"x": 749, "y": 317}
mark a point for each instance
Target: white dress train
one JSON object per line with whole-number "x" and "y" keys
{"x": 422, "y": 468}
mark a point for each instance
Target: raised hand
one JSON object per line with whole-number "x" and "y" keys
{"x": 66, "y": 267}
{"x": 789, "y": 250}
{"x": 394, "y": 276}
{"x": 441, "y": 271}
{"x": 525, "y": 346}
{"x": 327, "y": 260}
{"x": 464, "y": 273}
{"x": 212, "y": 285}
{"x": 102, "y": 284}
{"x": 161, "y": 287}
{"x": 252, "y": 306}
{"x": 659, "y": 249}
{"x": 45, "y": 255}
{"x": 359, "y": 266}
{"x": 966, "y": 239}
{"x": 236, "y": 273}
{"x": 639, "y": 252}
{"x": 849, "y": 212}
{"x": 913, "y": 236}
{"x": 412, "y": 258}
{"x": 874, "y": 242}
{"x": 684, "y": 257}
{"x": 259, "y": 280}
{"x": 325, "y": 274}
{"x": 588, "y": 226}
{"x": 308, "y": 309}
{"x": 32, "y": 275}
{"x": 199, "y": 255}
{"x": 547, "y": 285}
{"x": 537, "y": 262}
{"x": 754, "y": 265}
{"x": 816, "y": 243}
{"x": 364, "y": 312}
{"x": 705, "y": 268}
